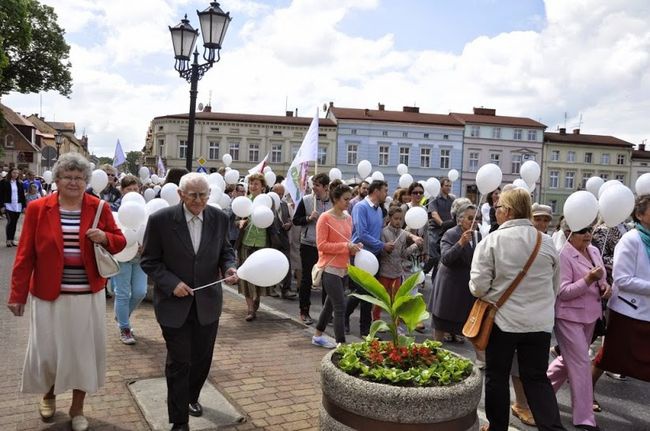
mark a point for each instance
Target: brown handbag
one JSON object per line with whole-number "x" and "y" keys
{"x": 478, "y": 326}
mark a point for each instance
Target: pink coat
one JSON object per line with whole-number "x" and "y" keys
{"x": 577, "y": 301}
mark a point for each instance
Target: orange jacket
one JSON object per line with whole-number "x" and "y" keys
{"x": 38, "y": 268}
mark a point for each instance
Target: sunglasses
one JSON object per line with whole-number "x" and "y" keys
{"x": 584, "y": 231}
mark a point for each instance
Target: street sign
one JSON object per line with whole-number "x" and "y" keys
{"x": 49, "y": 155}
{"x": 202, "y": 169}
{"x": 202, "y": 161}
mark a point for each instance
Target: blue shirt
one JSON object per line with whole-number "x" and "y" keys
{"x": 367, "y": 223}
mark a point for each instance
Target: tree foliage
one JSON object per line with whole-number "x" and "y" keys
{"x": 33, "y": 52}
{"x": 133, "y": 161}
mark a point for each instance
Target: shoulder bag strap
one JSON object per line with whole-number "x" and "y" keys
{"x": 98, "y": 214}
{"x": 522, "y": 273}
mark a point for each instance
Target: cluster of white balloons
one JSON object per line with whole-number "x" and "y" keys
{"x": 612, "y": 200}
{"x": 259, "y": 210}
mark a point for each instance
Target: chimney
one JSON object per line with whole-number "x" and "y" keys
{"x": 642, "y": 147}
{"x": 381, "y": 106}
{"x": 562, "y": 130}
{"x": 207, "y": 108}
{"x": 296, "y": 113}
{"x": 366, "y": 112}
{"x": 289, "y": 113}
{"x": 412, "y": 109}
{"x": 576, "y": 131}
{"x": 331, "y": 104}
{"x": 485, "y": 111}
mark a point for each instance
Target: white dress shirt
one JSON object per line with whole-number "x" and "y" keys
{"x": 195, "y": 226}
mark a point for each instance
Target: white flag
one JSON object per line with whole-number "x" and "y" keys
{"x": 260, "y": 166}
{"x": 296, "y": 181}
{"x": 118, "y": 158}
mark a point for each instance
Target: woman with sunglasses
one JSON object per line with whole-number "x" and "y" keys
{"x": 583, "y": 282}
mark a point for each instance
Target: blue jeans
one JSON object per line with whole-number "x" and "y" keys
{"x": 130, "y": 288}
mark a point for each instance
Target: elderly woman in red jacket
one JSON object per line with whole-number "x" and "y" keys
{"x": 55, "y": 263}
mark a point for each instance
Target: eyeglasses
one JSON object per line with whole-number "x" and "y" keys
{"x": 110, "y": 175}
{"x": 584, "y": 231}
{"x": 498, "y": 206}
{"x": 74, "y": 179}
{"x": 197, "y": 196}
{"x": 416, "y": 193}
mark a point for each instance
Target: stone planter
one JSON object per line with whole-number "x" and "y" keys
{"x": 350, "y": 403}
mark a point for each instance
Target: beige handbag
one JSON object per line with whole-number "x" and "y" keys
{"x": 107, "y": 265}
{"x": 317, "y": 274}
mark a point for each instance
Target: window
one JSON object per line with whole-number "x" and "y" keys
{"x": 404, "y": 155}
{"x": 322, "y": 155}
{"x": 604, "y": 176}
{"x": 474, "y": 131}
{"x": 588, "y": 157}
{"x": 516, "y": 163}
{"x": 495, "y": 158}
{"x": 425, "y": 157}
{"x": 277, "y": 133}
{"x": 297, "y": 135}
{"x": 182, "y": 149}
{"x": 553, "y": 179}
{"x": 621, "y": 178}
{"x": 426, "y": 136}
{"x": 161, "y": 147}
{"x": 555, "y": 155}
{"x": 569, "y": 180}
{"x": 9, "y": 141}
{"x": 160, "y": 128}
{"x": 384, "y": 152}
{"x": 496, "y": 133}
{"x": 276, "y": 153}
{"x": 517, "y": 135}
{"x": 553, "y": 205}
{"x": 253, "y": 152}
{"x": 234, "y": 150}
{"x": 384, "y": 133}
{"x": 352, "y": 154}
{"x": 252, "y": 131}
{"x": 585, "y": 178}
{"x": 353, "y": 131}
{"x": 294, "y": 150}
{"x": 532, "y": 135}
{"x": 604, "y": 159}
{"x": 620, "y": 159}
{"x": 213, "y": 150}
{"x": 445, "y": 158}
{"x": 234, "y": 130}
{"x": 405, "y": 134}
{"x": 571, "y": 156}
{"x": 473, "y": 162}
{"x": 445, "y": 137}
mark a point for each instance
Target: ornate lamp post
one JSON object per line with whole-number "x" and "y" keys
{"x": 58, "y": 139}
{"x": 214, "y": 24}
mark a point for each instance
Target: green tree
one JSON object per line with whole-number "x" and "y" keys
{"x": 33, "y": 52}
{"x": 104, "y": 161}
{"x": 133, "y": 161}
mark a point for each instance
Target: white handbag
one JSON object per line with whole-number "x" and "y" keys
{"x": 107, "y": 265}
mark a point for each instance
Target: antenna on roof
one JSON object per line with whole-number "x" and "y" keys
{"x": 210, "y": 98}
{"x": 565, "y": 115}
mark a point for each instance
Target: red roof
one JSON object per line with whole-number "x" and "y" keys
{"x": 15, "y": 118}
{"x": 639, "y": 154}
{"x": 501, "y": 120}
{"x": 584, "y": 139}
{"x": 252, "y": 118}
{"x": 393, "y": 116}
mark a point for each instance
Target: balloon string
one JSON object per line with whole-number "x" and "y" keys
{"x": 342, "y": 236}
{"x": 478, "y": 209}
{"x": 602, "y": 250}
{"x": 208, "y": 285}
{"x": 565, "y": 243}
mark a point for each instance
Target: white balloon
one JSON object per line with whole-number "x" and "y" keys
{"x": 232, "y": 176}
{"x": 520, "y": 183}
{"x": 263, "y": 199}
{"x": 267, "y": 169}
{"x": 594, "y": 184}
{"x": 432, "y": 187}
{"x": 141, "y": 230}
{"x": 157, "y": 188}
{"x": 54, "y": 187}
{"x": 265, "y": 267}
{"x": 169, "y": 192}
{"x": 98, "y": 180}
{"x": 133, "y": 197}
{"x": 215, "y": 194}
{"x": 369, "y": 180}
{"x": 144, "y": 172}
{"x": 47, "y": 176}
{"x": 530, "y": 171}
{"x": 131, "y": 236}
{"x": 642, "y": 185}
{"x": 310, "y": 182}
{"x": 364, "y": 168}
{"x": 215, "y": 179}
{"x": 452, "y": 175}
{"x": 155, "y": 179}
{"x": 127, "y": 254}
{"x": 608, "y": 184}
{"x": 92, "y": 166}
{"x": 226, "y": 159}
{"x": 488, "y": 178}
{"x": 405, "y": 180}
{"x": 366, "y": 261}
{"x": 117, "y": 219}
{"x": 215, "y": 205}
{"x": 242, "y": 206}
{"x": 402, "y": 169}
{"x": 131, "y": 214}
{"x": 262, "y": 216}
{"x": 580, "y": 210}
{"x": 335, "y": 174}
{"x": 269, "y": 177}
{"x": 149, "y": 194}
{"x": 416, "y": 217}
{"x": 276, "y": 199}
{"x": 224, "y": 202}
{"x": 155, "y": 204}
{"x": 616, "y": 205}
{"x": 377, "y": 176}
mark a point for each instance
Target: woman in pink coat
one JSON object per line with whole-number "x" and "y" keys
{"x": 578, "y": 306}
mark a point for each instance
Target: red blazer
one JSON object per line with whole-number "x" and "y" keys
{"x": 38, "y": 268}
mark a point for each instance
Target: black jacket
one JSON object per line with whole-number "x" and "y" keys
{"x": 5, "y": 192}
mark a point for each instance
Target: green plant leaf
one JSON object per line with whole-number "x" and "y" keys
{"x": 404, "y": 340}
{"x": 412, "y": 310}
{"x": 407, "y": 286}
{"x": 370, "y": 284}
{"x": 377, "y": 325}
{"x": 372, "y": 300}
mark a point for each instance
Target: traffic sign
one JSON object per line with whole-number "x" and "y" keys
{"x": 202, "y": 161}
{"x": 202, "y": 169}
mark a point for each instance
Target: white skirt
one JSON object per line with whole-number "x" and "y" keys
{"x": 67, "y": 344}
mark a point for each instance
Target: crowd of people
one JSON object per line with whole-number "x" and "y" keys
{"x": 576, "y": 284}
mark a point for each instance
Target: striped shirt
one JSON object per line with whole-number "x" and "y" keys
{"x": 74, "y": 279}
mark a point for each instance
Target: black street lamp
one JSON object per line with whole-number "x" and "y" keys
{"x": 214, "y": 24}
{"x": 58, "y": 139}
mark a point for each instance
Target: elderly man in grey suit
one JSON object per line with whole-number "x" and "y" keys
{"x": 186, "y": 247}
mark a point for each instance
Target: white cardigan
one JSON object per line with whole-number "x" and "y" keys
{"x": 497, "y": 261}
{"x": 631, "y": 289}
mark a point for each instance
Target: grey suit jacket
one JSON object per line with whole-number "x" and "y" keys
{"x": 168, "y": 258}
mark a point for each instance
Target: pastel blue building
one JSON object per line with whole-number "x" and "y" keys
{"x": 429, "y": 144}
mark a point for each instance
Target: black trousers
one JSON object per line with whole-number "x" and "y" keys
{"x": 309, "y": 257}
{"x": 532, "y": 352}
{"x": 365, "y": 309}
{"x": 189, "y": 356}
{"x": 12, "y": 222}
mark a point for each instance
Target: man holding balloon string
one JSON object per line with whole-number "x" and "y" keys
{"x": 186, "y": 246}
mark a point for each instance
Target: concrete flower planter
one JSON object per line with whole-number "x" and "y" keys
{"x": 350, "y": 403}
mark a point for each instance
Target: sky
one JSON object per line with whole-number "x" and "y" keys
{"x": 578, "y": 63}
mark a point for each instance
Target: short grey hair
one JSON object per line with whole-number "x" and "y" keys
{"x": 71, "y": 162}
{"x": 193, "y": 178}
{"x": 457, "y": 203}
{"x": 462, "y": 209}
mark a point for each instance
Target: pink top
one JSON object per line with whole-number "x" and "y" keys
{"x": 332, "y": 239}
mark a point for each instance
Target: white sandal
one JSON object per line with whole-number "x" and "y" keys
{"x": 79, "y": 423}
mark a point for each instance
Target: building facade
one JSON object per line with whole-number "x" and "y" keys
{"x": 18, "y": 139}
{"x": 429, "y": 144}
{"x": 570, "y": 159}
{"x": 640, "y": 164}
{"x": 46, "y": 132}
{"x": 506, "y": 141}
{"x": 247, "y": 138}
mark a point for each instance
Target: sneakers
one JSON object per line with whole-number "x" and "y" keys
{"x": 615, "y": 376}
{"x": 126, "y": 336}
{"x": 322, "y": 341}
